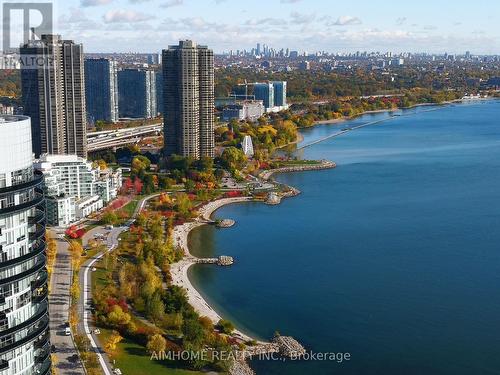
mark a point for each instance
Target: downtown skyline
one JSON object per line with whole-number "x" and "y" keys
{"x": 305, "y": 25}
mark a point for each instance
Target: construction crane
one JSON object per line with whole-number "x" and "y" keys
{"x": 246, "y": 84}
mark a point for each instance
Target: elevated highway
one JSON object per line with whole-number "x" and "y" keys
{"x": 120, "y": 137}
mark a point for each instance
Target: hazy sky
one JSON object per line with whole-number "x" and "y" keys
{"x": 452, "y": 26}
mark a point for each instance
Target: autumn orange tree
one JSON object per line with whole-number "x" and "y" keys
{"x": 112, "y": 341}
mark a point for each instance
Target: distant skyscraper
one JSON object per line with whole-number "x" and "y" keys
{"x": 101, "y": 90}
{"x": 54, "y": 96}
{"x": 137, "y": 93}
{"x": 279, "y": 93}
{"x": 159, "y": 91}
{"x": 188, "y": 72}
{"x": 305, "y": 65}
{"x": 265, "y": 92}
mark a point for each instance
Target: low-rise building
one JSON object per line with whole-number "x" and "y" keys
{"x": 87, "y": 205}
{"x": 245, "y": 110}
{"x": 75, "y": 188}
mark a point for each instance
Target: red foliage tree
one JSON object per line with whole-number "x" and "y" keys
{"x": 233, "y": 194}
{"x": 138, "y": 185}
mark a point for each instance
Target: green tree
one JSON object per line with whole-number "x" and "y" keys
{"x": 225, "y": 326}
{"x": 109, "y": 217}
{"x": 233, "y": 158}
{"x": 193, "y": 333}
{"x": 156, "y": 308}
{"x": 117, "y": 317}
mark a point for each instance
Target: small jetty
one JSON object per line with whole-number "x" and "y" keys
{"x": 289, "y": 347}
{"x": 240, "y": 367}
{"x": 285, "y": 346}
{"x": 321, "y": 164}
{"x": 225, "y": 223}
{"x": 273, "y": 199}
{"x": 291, "y": 192}
{"x": 223, "y": 260}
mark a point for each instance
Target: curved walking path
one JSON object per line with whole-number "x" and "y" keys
{"x": 86, "y": 323}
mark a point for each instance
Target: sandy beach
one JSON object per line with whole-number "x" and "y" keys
{"x": 179, "y": 270}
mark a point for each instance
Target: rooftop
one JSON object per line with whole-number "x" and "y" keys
{"x": 12, "y": 118}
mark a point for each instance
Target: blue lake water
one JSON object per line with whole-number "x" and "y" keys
{"x": 393, "y": 257}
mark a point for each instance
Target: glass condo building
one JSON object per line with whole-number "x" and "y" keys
{"x": 24, "y": 320}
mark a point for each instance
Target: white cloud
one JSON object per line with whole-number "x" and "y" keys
{"x": 123, "y": 16}
{"x": 172, "y": 3}
{"x": 344, "y": 21}
{"x": 92, "y": 3}
{"x": 76, "y": 19}
{"x": 266, "y": 21}
{"x": 290, "y": 1}
{"x": 301, "y": 18}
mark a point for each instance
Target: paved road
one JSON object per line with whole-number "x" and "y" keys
{"x": 59, "y": 299}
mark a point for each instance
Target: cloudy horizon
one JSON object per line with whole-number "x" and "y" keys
{"x": 304, "y": 25}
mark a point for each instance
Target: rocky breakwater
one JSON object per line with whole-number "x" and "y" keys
{"x": 288, "y": 346}
{"x": 223, "y": 260}
{"x": 323, "y": 164}
{"x": 225, "y": 223}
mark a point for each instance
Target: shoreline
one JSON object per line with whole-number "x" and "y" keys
{"x": 323, "y": 164}
{"x": 349, "y": 118}
{"x": 179, "y": 270}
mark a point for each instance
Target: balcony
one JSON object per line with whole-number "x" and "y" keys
{"x": 39, "y": 249}
{"x": 43, "y": 368}
{"x": 38, "y": 318}
{"x": 39, "y": 332}
{"x": 43, "y": 354}
{"x": 4, "y": 364}
{"x": 37, "y": 218}
{"x": 36, "y": 201}
{"x": 35, "y": 182}
{"x": 37, "y": 234}
{"x": 40, "y": 280}
{"x": 39, "y": 295}
{"x": 42, "y": 341}
{"x": 39, "y": 266}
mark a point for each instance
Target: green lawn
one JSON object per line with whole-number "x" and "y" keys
{"x": 289, "y": 163}
{"x": 133, "y": 359}
{"x": 99, "y": 276}
{"x": 129, "y": 208}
